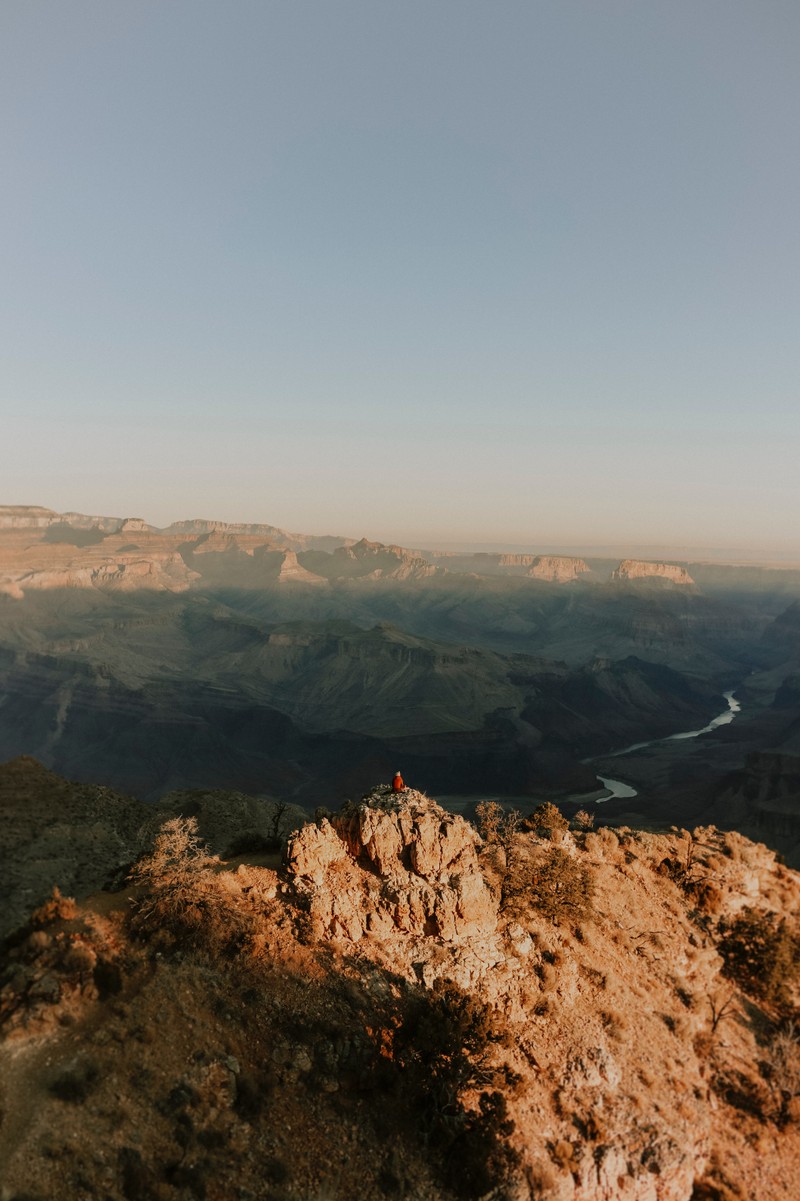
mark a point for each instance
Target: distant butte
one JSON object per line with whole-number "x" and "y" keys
{"x": 638, "y": 569}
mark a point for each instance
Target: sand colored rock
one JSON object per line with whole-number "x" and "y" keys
{"x": 619, "y": 1083}
{"x": 290, "y": 571}
{"x": 559, "y": 569}
{"x": 639, "y": 569}
{"x": 393, "y": 863}
{"x": 26, "y": 517}
{"x": 376, "y": 561}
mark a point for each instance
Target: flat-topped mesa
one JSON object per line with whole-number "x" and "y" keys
{"x": 639, "y": 569}
{"x": 200, "y": 525}
{"x": 393, "y": 864}
{"x": 26, "y": 517}
{"x": 558, "y": 569}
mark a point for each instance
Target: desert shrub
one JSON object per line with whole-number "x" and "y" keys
{"x": 583, "y": 820}
{"x": 783, "y": 1067}
{"x": 496, "y": 824}
{"x": 490, "y": 817}
{"x": 762, "y": 954}
{"x": 183, "y": 900}
{"x": 548, "y": 821}
{"x": 443, "y": 1048}
{"x": 550, "y": 881}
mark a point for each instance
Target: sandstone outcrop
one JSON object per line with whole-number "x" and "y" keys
{"x": 198, "y": 527}
{"x": 399, "y": 869}
{"x": 26, "y": 517}
{"x": 291, "y": 572}
{"x": 122, "y": 572}
{"x": 559, "y": 569}
{"x": 640, "y": 569}
{"x": 134, "y": 525}
{"x": 376, "y": 560}
{"x": 511, "y": 560}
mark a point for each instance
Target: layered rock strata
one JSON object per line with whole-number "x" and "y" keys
{"x": 558, "y": 569}
{"x": 639, "y": 569}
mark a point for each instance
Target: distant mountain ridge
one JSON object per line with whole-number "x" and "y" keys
{"x": 43, "y": 549}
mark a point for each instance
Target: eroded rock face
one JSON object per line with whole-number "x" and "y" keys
{"x": 395, "y": 863}
{"x": 26, "y": 517}
{"x": 374, "y": 560}
{"x": 639, "y": 569}
{"x": 558, "y": 569}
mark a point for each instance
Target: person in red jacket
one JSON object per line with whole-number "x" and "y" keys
{"x": 397, "y": 782}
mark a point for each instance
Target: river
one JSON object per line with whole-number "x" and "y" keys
{"x": 619, "y": 789}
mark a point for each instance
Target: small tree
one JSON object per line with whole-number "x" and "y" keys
{"x": 548, "y": 821}
{"x": 762, "y": 954}
{"x": 583, "y": 820}
{"x": 182, "y": 895}
{"x": 490, "y": 817}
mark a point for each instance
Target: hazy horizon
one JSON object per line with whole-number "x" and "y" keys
{"x": 525, "y": 274}
{"x": 764, "y": 555}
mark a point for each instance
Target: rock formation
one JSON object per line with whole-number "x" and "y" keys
{"x": 26, "y": 517}
{"x": 410, "y": 1009}
{"x": 375, "y": 561}
{"x": 639, "y": 569}
{"x": 560, "y": 569}
{"x": 291, "y": 572}
{"x": 396, "y": 864}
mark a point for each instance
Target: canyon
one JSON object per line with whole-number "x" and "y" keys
{"x": 212, "y": 654}
{"x": 232, "y": 964}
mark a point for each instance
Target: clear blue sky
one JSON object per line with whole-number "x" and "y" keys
{"x": 518, "y": 271}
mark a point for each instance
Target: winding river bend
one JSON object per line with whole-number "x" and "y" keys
{"x": 619, "y": 789}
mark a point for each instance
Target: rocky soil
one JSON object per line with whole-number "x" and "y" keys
{"x": 410, "y": 1009}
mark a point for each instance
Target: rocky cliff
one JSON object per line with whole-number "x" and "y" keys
{"x": 26, "y": 517}
{"x": 397, "y": 868}
{"x": 375, "y": 560}
{"x": 411, "y": 1009}
{"x": 560, "y": 569}
{"x": 639, "y": 569}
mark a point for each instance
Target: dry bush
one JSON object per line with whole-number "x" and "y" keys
{"x": 496, "y": 824}
{"x": 443, "y": 1048}
{"x": 184, "y": 899}
{"x": 583, "y": 820}
{"x": 547, "y": 821}
{"x": 550, "y": 881}
{"x": 602, "y": 843}
{"x": 783, "y": 1068}
{"x": 762, "y": 954}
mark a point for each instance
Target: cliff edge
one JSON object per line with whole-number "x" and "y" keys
{"x": 409, "y": 1007}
